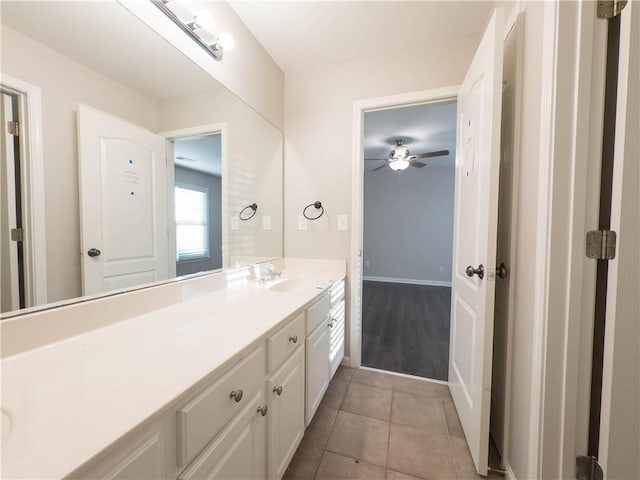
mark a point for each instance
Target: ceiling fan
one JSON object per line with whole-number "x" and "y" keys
{"x": 400, "y": 158}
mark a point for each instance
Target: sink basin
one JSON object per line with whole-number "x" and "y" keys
{"x": 7, "y": 425}
{"x": 288, "y": 285}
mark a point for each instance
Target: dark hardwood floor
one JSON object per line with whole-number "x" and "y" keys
{"x": 405, "y": 328}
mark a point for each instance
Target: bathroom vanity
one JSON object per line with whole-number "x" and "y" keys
{"x": 219, "y": 383}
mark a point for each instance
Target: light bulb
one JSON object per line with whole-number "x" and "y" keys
{"x": 398, "y": 165}
{"x": 180, "y": 11}
{"x": 205, "y": 21}
{"x": 225, "y": 40}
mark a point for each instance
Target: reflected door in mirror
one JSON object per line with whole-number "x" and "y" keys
{"x": 123, "y": 197}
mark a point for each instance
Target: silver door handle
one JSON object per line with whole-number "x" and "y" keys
{"x": 470, "y": 271}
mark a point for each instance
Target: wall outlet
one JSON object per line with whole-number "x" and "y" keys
{"x": 266, "y": 222}
{"x": 366, "y": 264}
{"x": 342, "y": 222}
{"x": 235, "y": 223}
{"x": 302, "y": 222}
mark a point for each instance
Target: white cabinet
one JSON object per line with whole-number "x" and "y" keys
{"x": 239, "y": 451}
{"x": 143, "y": 456}
{"x": 286, "y": 413}
{"x": 317, "y": 368}
{"x": 337, "y": 322}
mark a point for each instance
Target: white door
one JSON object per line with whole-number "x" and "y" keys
{"x": 9, "y": 288}
{"x": 123, "y": 203}
{"x": 475, "y": 227}
{"x": 619, "y": 450}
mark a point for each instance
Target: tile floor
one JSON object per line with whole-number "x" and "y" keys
{"x": 372, "y": 425}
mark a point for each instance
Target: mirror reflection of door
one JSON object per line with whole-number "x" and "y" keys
{"x": 12, "y": 292}
{"x": 198, "y": 203}
{"x": 123, "y": 199}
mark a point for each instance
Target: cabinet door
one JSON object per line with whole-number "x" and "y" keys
{"x": 141, "y": 457}
{"x": 317, "y": 368}
{"x": 238, "y": 452}
{"x": 336, "y": 338}
{"x": 286, "y": 413}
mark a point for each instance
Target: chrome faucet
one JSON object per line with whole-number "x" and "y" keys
{"x": 268, "y": 272}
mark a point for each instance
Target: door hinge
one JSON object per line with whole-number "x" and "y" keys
{"x": 17, "y": 235}
{"x": 13, "y": 127}
{"x": 601, "y": 244}
{"x": 588, "y": 468}
{"x": 607, "y": 9}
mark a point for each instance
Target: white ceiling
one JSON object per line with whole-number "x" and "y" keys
{"x": 201, "y": 153}
{"x": 107, "y": 38}
{"x": 300, "y": 34}
{"x": 424, "y": 128}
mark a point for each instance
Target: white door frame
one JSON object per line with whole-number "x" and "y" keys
{"x": 208, "y": 129}
{"x": 33, "y": 194}
{"x": 435, "y": 95}
{"x": 574, "y": 43}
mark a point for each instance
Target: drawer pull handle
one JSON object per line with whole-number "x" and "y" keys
{"x": 236, "y": 395}
{"x": 262, "y": 410}
{"x": 278, "y": 390}
{"x": 293, "y": 338}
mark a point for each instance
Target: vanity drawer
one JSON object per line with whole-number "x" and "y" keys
{"x": 284, "y": 342}
{"x": 317, "y": 313}
{"x": 205, "y": 415}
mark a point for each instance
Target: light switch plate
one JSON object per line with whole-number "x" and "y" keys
{"x": 343, "y": 223}
{"x": 266, "y": 222}
{"x": 235, "y": 223}
{"x": 302, "y": 222}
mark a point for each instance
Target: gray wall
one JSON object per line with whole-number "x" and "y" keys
{"x": 408, "y": 223}
{"x": 214, "y": 184}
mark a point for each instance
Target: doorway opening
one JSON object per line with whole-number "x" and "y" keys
{"x": 408, "y": 196}
{"x": 196, "y": 182}
{"x": 198, "y": 203}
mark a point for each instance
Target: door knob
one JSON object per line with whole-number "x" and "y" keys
{"x": 94, "y": 252}
{"x": 501, "y": 271}
{"x": 470, "y": 271}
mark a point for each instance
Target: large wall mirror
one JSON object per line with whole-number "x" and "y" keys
{"x": 149, "y": 169}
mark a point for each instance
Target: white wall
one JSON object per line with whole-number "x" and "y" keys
{"x": 65, "y": 83}
{"x": 408, "y": 224}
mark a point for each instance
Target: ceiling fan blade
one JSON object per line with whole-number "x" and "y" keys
{"x": 378, "y": 168}
{"x": 417, "y": 164}
{"x": 438, "y": 153}
{"x": 376, "y": 159}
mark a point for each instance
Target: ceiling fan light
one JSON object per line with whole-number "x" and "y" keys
{"x": 399, "y": 165}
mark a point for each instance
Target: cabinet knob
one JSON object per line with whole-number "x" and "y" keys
{"x": 278, "y": 390}
{"x": 236, "y": 395}
{"x": 332, "y": 322}
{"x": 293, "y": 338}
{"x": 263, "y": 410}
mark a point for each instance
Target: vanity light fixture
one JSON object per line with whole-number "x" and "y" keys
{"x": 200, "y": 27}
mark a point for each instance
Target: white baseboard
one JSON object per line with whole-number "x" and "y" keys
{"x": 346, "y": 361}
{"x": 412, "y": 281}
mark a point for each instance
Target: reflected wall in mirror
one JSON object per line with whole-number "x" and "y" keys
{"x": 146, "y": 160}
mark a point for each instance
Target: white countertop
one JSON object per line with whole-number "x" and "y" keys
{"x": 69, "y": 400}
